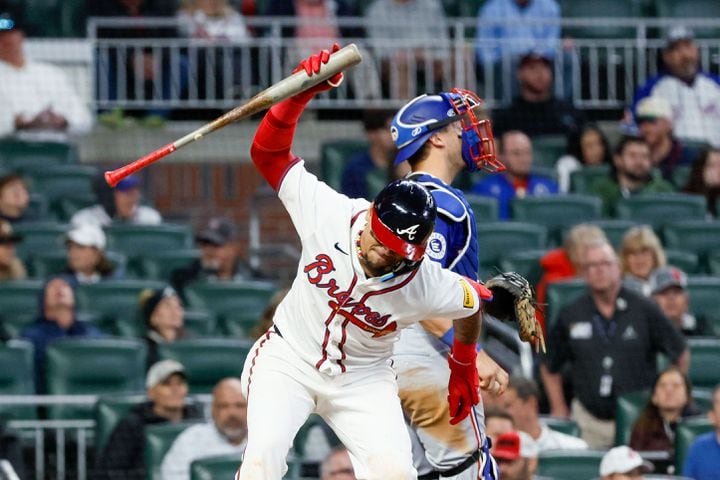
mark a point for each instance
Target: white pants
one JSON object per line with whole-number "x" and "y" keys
{"x": 362, "y": 408}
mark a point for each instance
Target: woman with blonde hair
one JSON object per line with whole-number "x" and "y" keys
{"x": 212, "y": 20}
{"x": 641, "y": 253}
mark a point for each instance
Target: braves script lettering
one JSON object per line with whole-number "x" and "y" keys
{"x": 341, "y": 301}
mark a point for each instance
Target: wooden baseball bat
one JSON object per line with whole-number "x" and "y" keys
{"x": 285, "y": 88}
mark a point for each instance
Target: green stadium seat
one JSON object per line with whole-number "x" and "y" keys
{"x": 547, "y": 149}
{"x": 704, "y": 361}
{"x": 40, "y": 237}
{"x": 703, "y": 398}
{"x": 160, "y": 265}
{"x": 687, "y": 431}
{"x": 681, "y": 175}
{"x": 569, "y": 464}
{"x": 241, "y": 324}
{"x": 73, "y": 18}
{"x": 615, "y": 229}
{"x": 714, "y": 263}
{"x": 20, "y": 297}
{"x": 375, "y": 180}
{"x": 688, "y": 262}
{"x": 525, "y": 262}
{"x": 137, "y": 240}
{"x": 17, "y": 380}
{"x": 560, "y": 294}
{"x": 679, "y": 9}
{"x": 334, "y": 155}
{"x": 109, "y": 410}
{"x": 701, "y": 237}
{"x": 557, "y": 211}
{"x": 659, "y": 210}
{"x": 213, "y": 468}
{"x": 581, "y": 179}
{"x": 115, "y": 301}
{"x": 496, "y": 239}
{"x": 64, "y": 181}
{"x": 704, "y": 299}
{"x": 599, "y": 8}
{"x": 207, "y": 360}
{"x": 484, "y": 208}
{"x": 66, "y": 207}
{"x": 95, "y": 366}
{"x": 42, "y": 17}
{"x": 158, "y": 440}
{"x": 300, "y": 443}
{"x": 629, "y": 407}
{"x": 200, "y": 323}
{"x": 45, "y": 264}
{"x": 223, "y": 298}
{"x": 15, "y": 322}
{"x": 22, "y": 156}
{"x": 562, "y": 425}
{"x": 38, "y": 208}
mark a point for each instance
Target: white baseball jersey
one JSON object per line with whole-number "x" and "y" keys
{"x": 336, "y": 318}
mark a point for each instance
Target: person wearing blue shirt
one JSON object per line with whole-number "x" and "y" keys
{"x": 517, "y": 181}
{"x": 703, "y": 459}
{"x": 439, "y": 136}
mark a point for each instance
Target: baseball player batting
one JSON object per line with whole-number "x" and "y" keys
{"x": 361, "y": 279}
{"x": 440, "y": 136}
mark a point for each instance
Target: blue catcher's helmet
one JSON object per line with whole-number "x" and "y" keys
{"x": 413, "y": 125}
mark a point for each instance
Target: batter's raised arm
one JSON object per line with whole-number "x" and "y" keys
{"x": 270, "y": 149}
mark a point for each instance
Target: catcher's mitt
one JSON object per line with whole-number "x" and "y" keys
{"x": 514, "y": 300}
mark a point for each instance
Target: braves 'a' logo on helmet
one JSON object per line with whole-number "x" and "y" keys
{"x": 410, "y": 231}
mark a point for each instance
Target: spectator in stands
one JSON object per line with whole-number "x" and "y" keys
{"x": 219, "y": 257}
{"x": 378, "y": 157}
{"x": 37, "y": 97}
{"x": 536, "y": 111}
{"x": 213, "y": 20}
{"x": 421, "y": 44}
{"x": 497, "y": 422}
{"x": 337, "y": 466}
{"x": 56, "y": 319}
{"x": 167, "y": 389}
{"x": 518, "y": 181}
{"x": 631, "y": 175}
{"x": 654, "y": 118}
{"x": 507, "y": 453}
{"x": 225, "y": 434}
{"x": 588, "y": 147}
{"x": 508, "y": 29}
{"x": 565, "y": 262}
{"x": 623, "y": 463}
{"x": 87, "y": 263}
{"x": 163, "y": 313}
{"x": 11, "y": 267}
{"x": 608, "y": 339}
{"x": 703, "y": 458}
{"x": 123, "y": 206}
{"x": 641, "y": 253}
{"x": 668, "y": 286}
{"x": 705, "y": 179}
{"x": 693, "y": 95}
{"x": 14, "y": 198}
{"x": 522, "y": 401}
{"x": 668, "y": 404}
{"x": 266, "y": 319}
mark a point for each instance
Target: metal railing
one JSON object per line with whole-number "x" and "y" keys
{"x": 165, "y": 73}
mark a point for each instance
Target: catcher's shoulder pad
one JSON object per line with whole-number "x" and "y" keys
{"x": 448, "y": 204}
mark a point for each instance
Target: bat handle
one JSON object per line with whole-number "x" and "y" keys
{"x": 113, "y": 177}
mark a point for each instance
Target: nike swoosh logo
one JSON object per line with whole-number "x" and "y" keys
{"x": 337, "y": 247}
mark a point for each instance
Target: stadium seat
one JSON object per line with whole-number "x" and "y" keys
{"x": 23, "y": 156}
{"x": 20, "y": 297}
{"x": 496, "y": 239}
{"x": 485, "y": 209}
{"x": 615, "y": 229}
{"x": 38, "y": 208}
{"x": 557, "y": 211}
{"x": 681, "y": 175}
{"x": 158, "y": 440}
{"x": 40, "y": 237}
{"x": 688, "y": 262}
{"x": 525, "y": 262}
{"x": 18, "y": 379}
{"x": 213, "y": 468}
{"x": 334, "y": 155}
{"x": 115, "y": 301}
{"x": 200, "y": 323}
{"x": 581, "y": 179}
{"x": 704, "y": 361}
{"x": 160, "y": 265}
{"x": 15, "y": 322}
{"x": 714, "y": 263}
{"x": 207, "y": 360}
{"x": 65, "y": 208}
{"x": 629, "y": 406}
{"x": 241, "y": 323}
{"x": 302, "y": 438}
{"x": 560, "y": 294}
{"x": 109, "y": 410}
{"x": 704, "y": 296}
{"x": 599, "y": 8}
{"x": 223, "y": 298}
{"x": 45, "y": 264}
{"x": 702, "y": 398}
{"x": 687, "y": 431}
{"x": 659, "y": 210}
{"x": 701, "y": 237}
{"x": 73, "y": 18}
{"x": 547, "y": 149}
{"x": 93, "y": 366}
{"x": 136, "y": 240}
{"x": 569, "y": 464}
{"x": 679, "y": 9}
{"x": 563, "y": 425}
{"x": 63, "y": 181}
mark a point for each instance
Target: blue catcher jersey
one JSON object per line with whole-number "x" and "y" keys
{"x": 453, "y": 244}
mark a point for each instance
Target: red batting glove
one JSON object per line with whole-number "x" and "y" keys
{"x": 463, "y": 389}
{"x": 312, "y": 66}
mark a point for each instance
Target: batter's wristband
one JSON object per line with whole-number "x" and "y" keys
{"x": 449, "y": 336}
{"x": 463, "y": 352}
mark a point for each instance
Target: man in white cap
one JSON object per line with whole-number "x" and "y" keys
{"x": 87, "y": 262}
{"x": 623, "y": 463}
